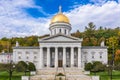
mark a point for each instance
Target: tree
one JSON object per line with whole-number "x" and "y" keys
{"x": 112, "y": 42}
{"x": 90, "y": 30}
{"x": 90, "y": 33}
{"x": 117, "y": 57}
{"x": 77, "y": 34}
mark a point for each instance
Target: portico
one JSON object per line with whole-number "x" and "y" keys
{"x": 60, "y": 57}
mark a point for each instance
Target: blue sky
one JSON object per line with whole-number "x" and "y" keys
{"x": 32, "y": 17}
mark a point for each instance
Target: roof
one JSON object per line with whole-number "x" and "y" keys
{"x": 60, "y": 38}
{"x": 6, "y": 53}
{"x": 29, "y": 47}
{"x": 94, "y": 47}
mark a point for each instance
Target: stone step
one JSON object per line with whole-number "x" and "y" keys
{"x": 70, "y": 73}
{"x": 53, "y": 71}
{"x": 69, "y": 77}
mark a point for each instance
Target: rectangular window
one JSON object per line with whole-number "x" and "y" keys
{"x": 92, "y": 56}
{"x": 100, "y": 54}
{"x": 93, "y": 53}
{"x": 27, "y": 55}
{"x": 35, "y": 57}
{"x": 19, "y": 57}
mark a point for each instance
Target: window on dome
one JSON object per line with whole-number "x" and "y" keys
{"x": 54, "y": 31}
{"x": 60, "y": 30}
{"x": 65, "y": 31}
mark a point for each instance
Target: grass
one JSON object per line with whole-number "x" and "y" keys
{"x": 4, "y": 75}
{"x": 105, "y": 76}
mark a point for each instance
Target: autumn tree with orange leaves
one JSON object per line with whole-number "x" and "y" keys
{"x": 117, "y": 57}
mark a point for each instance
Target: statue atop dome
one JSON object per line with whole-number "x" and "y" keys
{"x": 60, "y": 9}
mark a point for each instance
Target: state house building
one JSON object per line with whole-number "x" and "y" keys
{"x": 60, "y": 49}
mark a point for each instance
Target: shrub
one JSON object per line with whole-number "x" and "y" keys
{"x": 31, "y": 67}
{"x": 4, "y": 67}
{"x": 88, "y": 66}
{"x": 98, "y": 66}
{"x": 117, "y": 67}
{"x": 21, "y": 66}
{"x": 60, "y": 74}
{"x": 95, "y": 66}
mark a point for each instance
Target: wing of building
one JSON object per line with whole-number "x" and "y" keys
{"x": 60, "y": 49}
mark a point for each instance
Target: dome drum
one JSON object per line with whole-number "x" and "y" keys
{"x": 60, "y": 25}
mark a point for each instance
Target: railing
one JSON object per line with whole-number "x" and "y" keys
{"x": 56, "y": 73}
{"x": 63, "y": 72}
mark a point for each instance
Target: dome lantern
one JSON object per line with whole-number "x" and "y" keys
{"x": 60, "y": 17}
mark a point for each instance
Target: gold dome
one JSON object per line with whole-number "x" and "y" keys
{"x": 60, "y": 17}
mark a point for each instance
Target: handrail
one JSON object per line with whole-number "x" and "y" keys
{"x": 64, "y": 72}
{"x": 56, "y": 73}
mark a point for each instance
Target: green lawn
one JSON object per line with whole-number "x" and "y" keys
{"x": 17, "y": 75}
{"x": 104, "y": 75}
{"x": 4, "y": 75}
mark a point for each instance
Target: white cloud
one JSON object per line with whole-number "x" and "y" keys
{"x": 14, "y": 21}
{"x": 107, "y": 15}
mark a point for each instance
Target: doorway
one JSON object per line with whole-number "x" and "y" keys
{"x": 60, "y": 58}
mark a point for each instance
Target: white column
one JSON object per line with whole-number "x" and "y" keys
{"x": 79, "y": 57}
{"x": 72, "y": 57}
{"x": 41, "y": 58}
{"x": 64, "y": 57}
{"x": 48, "y": 57}
{"x": 56, "y": 57}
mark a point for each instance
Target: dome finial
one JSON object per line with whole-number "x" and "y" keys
{"x": 60, "y": 9}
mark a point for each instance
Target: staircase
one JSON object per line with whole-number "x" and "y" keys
{"x": 52, "y": 74}
{"x": 60, "y": 73}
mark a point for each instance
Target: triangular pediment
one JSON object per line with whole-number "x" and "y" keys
{"x": 60, "y": 38}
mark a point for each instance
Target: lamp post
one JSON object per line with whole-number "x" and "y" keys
{"x": 111, "y": 66}
{"x": 11, "y": 67}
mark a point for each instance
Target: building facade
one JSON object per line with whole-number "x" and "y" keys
{"x": 5, "y": 57}
{"x": 60, "y": 49}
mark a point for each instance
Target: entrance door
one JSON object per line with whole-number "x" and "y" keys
{"x": 60, "y": 59}
{"x": 59, "y": 63}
